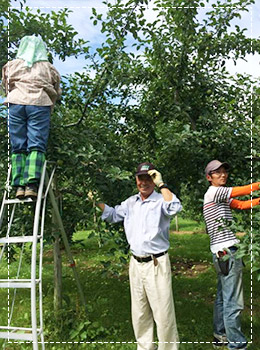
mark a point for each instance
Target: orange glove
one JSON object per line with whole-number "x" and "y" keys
{"x": 244, "y": 190}
{"x": 236, "y": 204}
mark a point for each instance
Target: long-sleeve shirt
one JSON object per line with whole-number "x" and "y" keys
{"x": 217, "y": 214}
{"x": 146, "y": 222}
{"x": 218, "y": 202}
{"x": 37, "y": 86}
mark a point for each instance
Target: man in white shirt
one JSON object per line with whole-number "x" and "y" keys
{"x": 146, "y": 218}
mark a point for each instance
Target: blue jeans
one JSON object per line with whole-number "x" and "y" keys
{"x": 229, "y": 303}
{"x": 29, "y": 127}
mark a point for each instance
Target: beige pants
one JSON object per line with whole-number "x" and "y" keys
{"x": 152, "y": 300}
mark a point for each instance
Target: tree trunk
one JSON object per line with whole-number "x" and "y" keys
{"x": 176, "y": 223}
{"x": 57, "y": 274}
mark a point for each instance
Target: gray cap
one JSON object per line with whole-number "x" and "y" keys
{"x": 214, "y": 165}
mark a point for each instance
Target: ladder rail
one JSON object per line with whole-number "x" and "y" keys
{"x": 2, "y": 211}
{"x": 40, "y": 273}
{"x": 33, "y": 259}
{"x": 41, "y": 254}
{"x": 48, "y": 182}
{"x": 66, "y": 244}
{"x": 8, "y": 231}
{"x": 7, "y": 237}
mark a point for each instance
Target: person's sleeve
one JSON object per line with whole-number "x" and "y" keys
{"x": 117, "y": 214}
{"x": 57, "y": 84}
{"x": 244, "y": 190}
{"x": 242, "y": 205}
{"x": 172, "y": 207}
{"x": 221, "y": 194}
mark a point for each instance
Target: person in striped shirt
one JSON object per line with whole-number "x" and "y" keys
{"x": 218, "y": 202}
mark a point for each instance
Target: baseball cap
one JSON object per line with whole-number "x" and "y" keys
{"x": 214, "y": 165}
{"x": 143, "y": 168}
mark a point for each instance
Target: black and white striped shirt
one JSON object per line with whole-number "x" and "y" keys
{"x": 217, "y": 214}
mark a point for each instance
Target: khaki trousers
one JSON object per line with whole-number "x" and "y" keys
{"x": 152, "y": 300}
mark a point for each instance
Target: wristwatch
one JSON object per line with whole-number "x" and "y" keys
{"x": 163, "y": 186}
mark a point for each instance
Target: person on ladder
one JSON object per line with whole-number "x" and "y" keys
{"x": 32, "y": 86}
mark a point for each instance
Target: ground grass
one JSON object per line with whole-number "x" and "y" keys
{"x": 108, "y": 299}
{"x": 187, "y": 225}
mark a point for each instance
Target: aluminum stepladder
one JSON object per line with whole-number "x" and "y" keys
{"x": 35, "y": 333}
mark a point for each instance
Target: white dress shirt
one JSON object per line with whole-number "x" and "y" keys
{"x": 146, "y": 222}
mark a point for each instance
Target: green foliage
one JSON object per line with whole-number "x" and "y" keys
{"x": 249, "y": 249}
{"x": 155, "y": 90}
{"x": 58, "y": 35}
{"x": 88, "y": 331}
{"x": 78, "y": 327}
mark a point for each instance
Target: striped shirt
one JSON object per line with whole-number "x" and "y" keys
{"x": 217, "y": 214}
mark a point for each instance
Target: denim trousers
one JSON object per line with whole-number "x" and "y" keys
{"x": 29, "y": 130}
{"x": 28, "y": 127}
{"x": 229, "y": 302}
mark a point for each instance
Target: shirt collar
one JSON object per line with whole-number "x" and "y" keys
{"x": 153, "y": 197}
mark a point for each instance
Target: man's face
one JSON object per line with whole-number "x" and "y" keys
{"x": 145, "y": 185}
{"x": 218, "y": 177}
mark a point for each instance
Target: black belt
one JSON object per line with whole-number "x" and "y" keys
{"x": 149, "y": 258}
{"x": 233, "y": 248}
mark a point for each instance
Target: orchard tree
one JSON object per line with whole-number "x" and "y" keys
{"x": 160, "y": 92}
{"x": 182, "y": 107}
{"x": 59, "y": 36}
{"x": 188, "y": 103}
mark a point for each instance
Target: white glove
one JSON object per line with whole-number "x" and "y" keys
{"x": 156, "y": 176}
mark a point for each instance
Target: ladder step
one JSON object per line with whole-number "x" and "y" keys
{"x": 16, "y": 336}
{"x": 18, "y": 239}
{"x": 5, "y": 283}
{"x": 18, "y": 333}
{"x": 19, "y": 201}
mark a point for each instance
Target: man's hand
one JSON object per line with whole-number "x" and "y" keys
{"x": 156, "y": 176}
{"x": 101, "y": 206}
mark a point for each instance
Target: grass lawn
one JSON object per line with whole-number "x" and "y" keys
{"x": 187, "y": 225}
{"x": 108, "y": 299}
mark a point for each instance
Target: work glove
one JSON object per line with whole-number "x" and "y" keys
{"x": 156, "y": 176}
